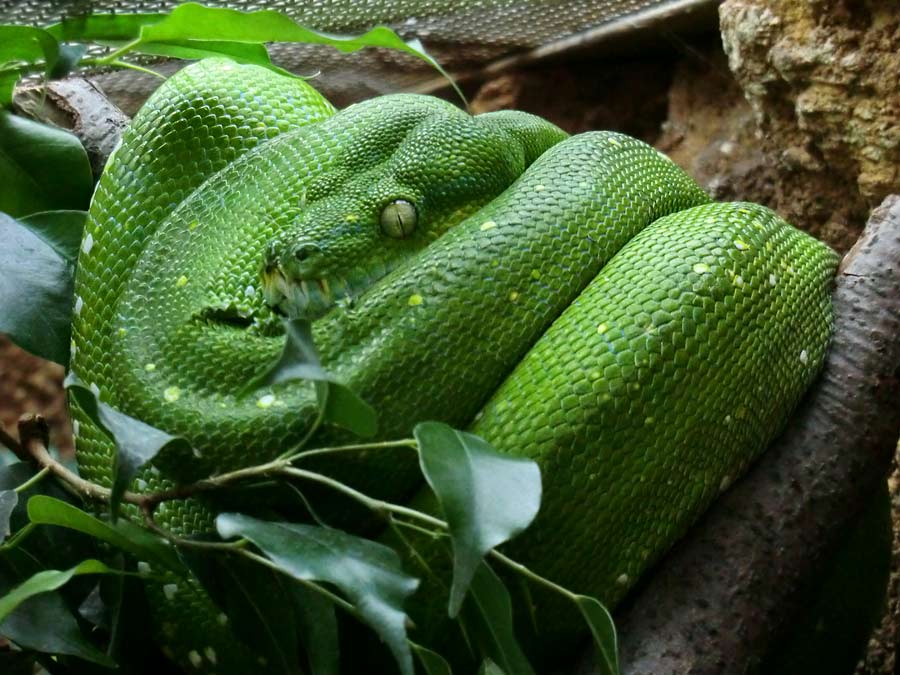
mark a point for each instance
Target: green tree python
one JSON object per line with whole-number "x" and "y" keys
{"x": 577, "y": 300}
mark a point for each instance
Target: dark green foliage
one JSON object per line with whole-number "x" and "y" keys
{"x": 36, "y": 293}
{"x": 486, "y": 497}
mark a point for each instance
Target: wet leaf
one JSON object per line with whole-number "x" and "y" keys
{"x": 432, "y": 662}
{"x": 44, "y": 623}
{"x": 318, "y": 630}
{"x": 137, "y": 541}
{"x": 256, "y": 601}
{"x": 62, "y": 230}
{"x": 367, "y": 573}
{"x": 299, "y": 360}
{"x": 36, "y": 293}
{"x": 487, "y": 497}
{"x": 603, "y": 631}
{"x": 137, "y": 443}
{"x": 45, "y": 581}
{"x": 488, "y": 619}
{"x": 30, "y": 154}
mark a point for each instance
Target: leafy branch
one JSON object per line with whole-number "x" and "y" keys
{"x": 189, "y": 31}
{"x": 275, "y": 554}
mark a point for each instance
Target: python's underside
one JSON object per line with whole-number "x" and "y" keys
{"x": 576, "y": 300}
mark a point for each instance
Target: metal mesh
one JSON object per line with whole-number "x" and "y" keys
{"x": 461, "y": 35}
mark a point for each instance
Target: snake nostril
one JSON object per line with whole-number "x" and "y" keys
{"x": 304, "y": 251}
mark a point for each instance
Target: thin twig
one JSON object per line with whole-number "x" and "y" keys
{"x": 394, "y": 524}
{"x": 34, "y": 480}
{"x": 376, "y": 505}
{"x": 33, "y": 437}
{"x": 533, "y": 576}
{"x": 403, "y": 443}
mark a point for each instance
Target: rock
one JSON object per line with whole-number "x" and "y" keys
{"x": 822, "y": 79}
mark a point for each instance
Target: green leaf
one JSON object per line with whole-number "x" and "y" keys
{"x": 136, "y": 442}
{"x": 8, "y": 501}
{"x": 257, "y": 602}
{"x": 604, "y": 632}
{"x": 369, "y": 574}
{"x": 42, "y": 168}
{"x": 43, "y": 623}
{"x": 93, "y": 609}
{"x": 32, "y": 548}
{"x": 488, "y": 619}
{"x": 190, "y": 25}
{"x": 69, "y": 58}
{"x": 196, "y": 22}
{"x": 8, "y": 80}
{"x": 89, "y": 27}
{"x": 241, "y": 52}
{"x": 48, "y": 580}
{"x": 318, "y": 630}
{"x": 488, "y": 667}
{"x": 25, "y": 44}
{"x": 432, "y": 662}
{"x": 347, "y": 410}
{"x": 139, "y": 542}
{"x": 487, "y": 497}
{"x": 61, "y": 230}
{"x": 299, "y": 360}
{"x": 36, "y": 293}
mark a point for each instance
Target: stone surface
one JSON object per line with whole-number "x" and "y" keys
{"x": 823, "y": 81}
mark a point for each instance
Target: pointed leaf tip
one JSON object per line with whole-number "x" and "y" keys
{"x": 367, "y": 573}
{"x": 137, "y": 443}
{"x": 487, "y": 497}
{"x": 603, "y": 631}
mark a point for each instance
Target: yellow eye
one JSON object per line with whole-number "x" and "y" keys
{"x": 398, "y": 220}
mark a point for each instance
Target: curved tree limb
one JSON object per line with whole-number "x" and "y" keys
{"x": 76, "y": 105}
{"x": 723, "y": 597}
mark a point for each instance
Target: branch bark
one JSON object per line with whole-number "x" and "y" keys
{"x": 76, "y": 105}
{"x": 725, "y": 594}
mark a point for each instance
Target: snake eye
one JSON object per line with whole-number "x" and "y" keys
{"x": 398, "y": 219}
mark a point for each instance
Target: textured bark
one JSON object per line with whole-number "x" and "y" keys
{"x": 723, "y": 597}
{"x": 78, "y": 106}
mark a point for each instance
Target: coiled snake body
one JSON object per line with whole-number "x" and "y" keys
{"x": 575, "y": 300}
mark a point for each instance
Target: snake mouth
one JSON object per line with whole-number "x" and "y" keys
{"x": 302, "y": 298}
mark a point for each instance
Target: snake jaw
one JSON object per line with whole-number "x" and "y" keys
{"x": 301, "y": 298}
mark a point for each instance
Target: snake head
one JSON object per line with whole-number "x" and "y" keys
{"x": 337, "y": 247}
{"x": 392, "y": 190}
